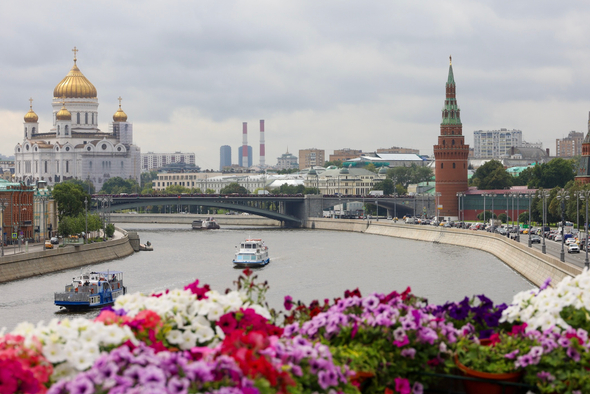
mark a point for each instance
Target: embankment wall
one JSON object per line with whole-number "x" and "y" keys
{"x": 529, "y": 262}
{"x": 36, "y": 263}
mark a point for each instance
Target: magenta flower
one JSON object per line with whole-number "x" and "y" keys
{"x": 288, "y": 302}
{"x": 402, "y": 386}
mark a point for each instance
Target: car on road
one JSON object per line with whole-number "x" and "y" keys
{"x": 48, "y": 245}
{"x": 573, "y": 248}
{"x": 54, "y": 240}
{"x": 535, "y": 239}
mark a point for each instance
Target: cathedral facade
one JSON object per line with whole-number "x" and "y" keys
{"x": 75, "y": 148}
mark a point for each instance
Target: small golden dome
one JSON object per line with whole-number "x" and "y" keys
{"x": 120, "y": 116}
{"x": 63, "y": 114}
{"x": 75, "y": 85}
{"x": 31, "y": 116}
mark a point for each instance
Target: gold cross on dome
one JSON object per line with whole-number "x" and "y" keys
{"x": 31, "y": 102}
{"x": 75, "y": 52}
{"x": 120, "y": 98}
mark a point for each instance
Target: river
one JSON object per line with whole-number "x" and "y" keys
{"x": 306, "y": 264}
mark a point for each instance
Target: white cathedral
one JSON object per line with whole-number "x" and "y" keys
{"x": 75, "y": 147}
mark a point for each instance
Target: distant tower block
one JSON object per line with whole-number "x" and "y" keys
{"x": 451, "y": 153}
{"x": 244, "y": 143}
{"x": 583, "y": 170}
{"x": 262, "y": 159}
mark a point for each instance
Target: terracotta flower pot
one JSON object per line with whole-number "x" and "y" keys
{"x": 473, "y": 387}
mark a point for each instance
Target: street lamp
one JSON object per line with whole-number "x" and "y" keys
{"x": 544, "y": 194}
{"x": 517, "y": 196}
{"x": 529, "y": 195}
{"x": 3, "y": 205}
{"x": 585, "y": 196}
{"x": 437, "y": 196}
{"x": 493, "y": 195}
{"x": 461, "y": 208}
{"x": 395, "y": 206}
{"x": 578, "y": 195}
{"x": 484, "y": 206}
{"x": 562, "y": 196}
{"x": 86, "y": 211}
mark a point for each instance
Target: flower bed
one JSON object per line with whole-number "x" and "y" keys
{"x": 198, "y": 340}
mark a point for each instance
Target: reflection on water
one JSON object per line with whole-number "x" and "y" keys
{"x": 306, "y": 264}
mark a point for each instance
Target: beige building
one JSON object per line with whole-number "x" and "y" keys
{"x": 395, "y": 149}
{"x": 311, "y": 157}
{"x": 345, "y": 154}
{"x": 569, "y": 146}
{"x": 346, "y": 181}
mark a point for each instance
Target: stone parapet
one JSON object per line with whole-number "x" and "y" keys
{"x": 37, "y": 263}
{"x": 530, "y": 263}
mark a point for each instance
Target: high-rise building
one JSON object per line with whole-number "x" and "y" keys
{"x": 451, "y": 153}
{"x": 152, "y": 161}
{"x": 583, "y": 170}
{"x": 241, "y": 157}
{"x": 493, "y": 144}
{"x": 569, "y": 146}
{"x": 311, "y": 157}
{"x": 225, "y": 157}
{"x": 287, "y": 161}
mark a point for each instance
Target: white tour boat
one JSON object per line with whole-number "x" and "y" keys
{"x": 251, "y": 253}
{"x": 92, "y": 290}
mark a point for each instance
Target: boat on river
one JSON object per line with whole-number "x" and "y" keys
{"x": 91, "y": 290}
{"x": 207, "y": 224}
{"x": 251, "y": 253}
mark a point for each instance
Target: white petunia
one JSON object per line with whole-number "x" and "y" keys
{"x": 204, "y": 334}
{"x": 81, "y": 360}
{"x": 174, "y": 336}
{"x": 54, "y": 352}
{"x": 188, "y": 340}
{"x": 215, "y": 312}
{"x": 113, "y": 335}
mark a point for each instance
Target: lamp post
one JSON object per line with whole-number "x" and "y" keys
{"x": 585, "y": 196}
{"x": 517, "y": 196}
{"x": 493, "y": 195}
{"x": 544, "y": 194}
{"x": 395, "y": 206}
{"x": 437, "y": 196}
{"x": 529, "y": 195}
{"x": 3, "y": 205}
{"x": 461, "y": 208}
{"x": 562, "y": 196}
{"x": 484, "y": 206}
{"x": 578, "y": 195}
{"x": 86, "y": 213}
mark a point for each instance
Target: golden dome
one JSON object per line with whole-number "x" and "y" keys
{"x": 120, "y": 116}
{"x": 31, "y": 116}
{"x": 75, "y": 85}
{"x": 63, "y": 113}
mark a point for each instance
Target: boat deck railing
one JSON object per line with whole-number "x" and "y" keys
{"x": 72, "y": 297}
{"x": 93, "y": 289}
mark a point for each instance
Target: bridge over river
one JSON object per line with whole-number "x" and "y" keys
{"x": 290, "y": 210}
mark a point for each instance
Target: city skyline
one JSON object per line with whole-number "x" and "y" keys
{"x": 332, "y": 75}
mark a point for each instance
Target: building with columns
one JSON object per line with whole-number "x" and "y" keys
{"x": 451, "y": 154}
{"x": 75, "y": 148}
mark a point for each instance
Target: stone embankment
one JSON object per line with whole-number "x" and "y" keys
{"x": 19, "y": 266}
{"x": 530, "y": 263}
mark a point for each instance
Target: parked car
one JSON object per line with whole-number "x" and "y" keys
{"x": 54, "y": 240}
{"x": 535, "y": 239}
{"x": 573, "y": 248}
{"x": 557, "y": 238}
{"x": 48, "y": 245}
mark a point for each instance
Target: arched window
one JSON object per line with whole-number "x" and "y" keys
{"x": 453, "y": 165}
{"x": 26, "y": 133}
{"x": 57, "y": 129}
{"x": 33, "y": 130}
{"x": 66, "y": 130}
{"x": 442, "y": 165}
{"x": 444, "y": 142}
{"x": 452, "y": 142}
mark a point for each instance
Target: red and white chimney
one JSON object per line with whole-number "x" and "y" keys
{"x": 245, "y": 144}
{"x": 262, "y": 160}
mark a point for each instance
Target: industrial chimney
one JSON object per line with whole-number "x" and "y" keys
{"x": 245, "y": 144}
{"x": 262, "y": 160}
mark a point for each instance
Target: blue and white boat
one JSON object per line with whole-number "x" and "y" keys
{"x": 251, "y": 253}
{"x": 92, "y": 290}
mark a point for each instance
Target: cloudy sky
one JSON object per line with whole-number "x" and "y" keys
{"x": 324, "y": 74}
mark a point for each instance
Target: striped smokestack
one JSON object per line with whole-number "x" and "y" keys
{"x": 262, "y": 161}
{"x": 245, "y": 144}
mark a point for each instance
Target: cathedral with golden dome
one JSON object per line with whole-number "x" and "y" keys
{"x": 75, "y": 148}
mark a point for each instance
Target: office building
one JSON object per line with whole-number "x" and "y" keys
{"x": 493, "y": 144}
{"x": 153, "y": 161}
{"x": 569, "y": 146}
{"x": 311, "y": 157}
{"x": 224, "y": 157}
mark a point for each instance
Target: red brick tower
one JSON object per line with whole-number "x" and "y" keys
{"x": 450, "y": 153}
{"x": 583, "y": 172}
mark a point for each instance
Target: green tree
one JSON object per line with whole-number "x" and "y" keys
{"x": 485, "y": 216}
{"x": 288, "y": 171}
{"x": 176, "y": 189}
{"x": 234, "y": 188}
{"x": 523, "y": 217}
{"x": 410, "y": 175}
{"x": 87, "y": 185}
{"x": 311, "y": 190}
{"x": 371, "y": 167}
{"x": 110, "y": 230}
{"x": 556, "y": 173}
{"x": 70, "y": 198}
{"x": 491, "y": 175}
{"x": 290, "y": 189}
{"x": 337, "y": 163}
{"x": 118, "y": 185}
{"x": 503, "y": 218}
{"x": 386, "y": 185}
